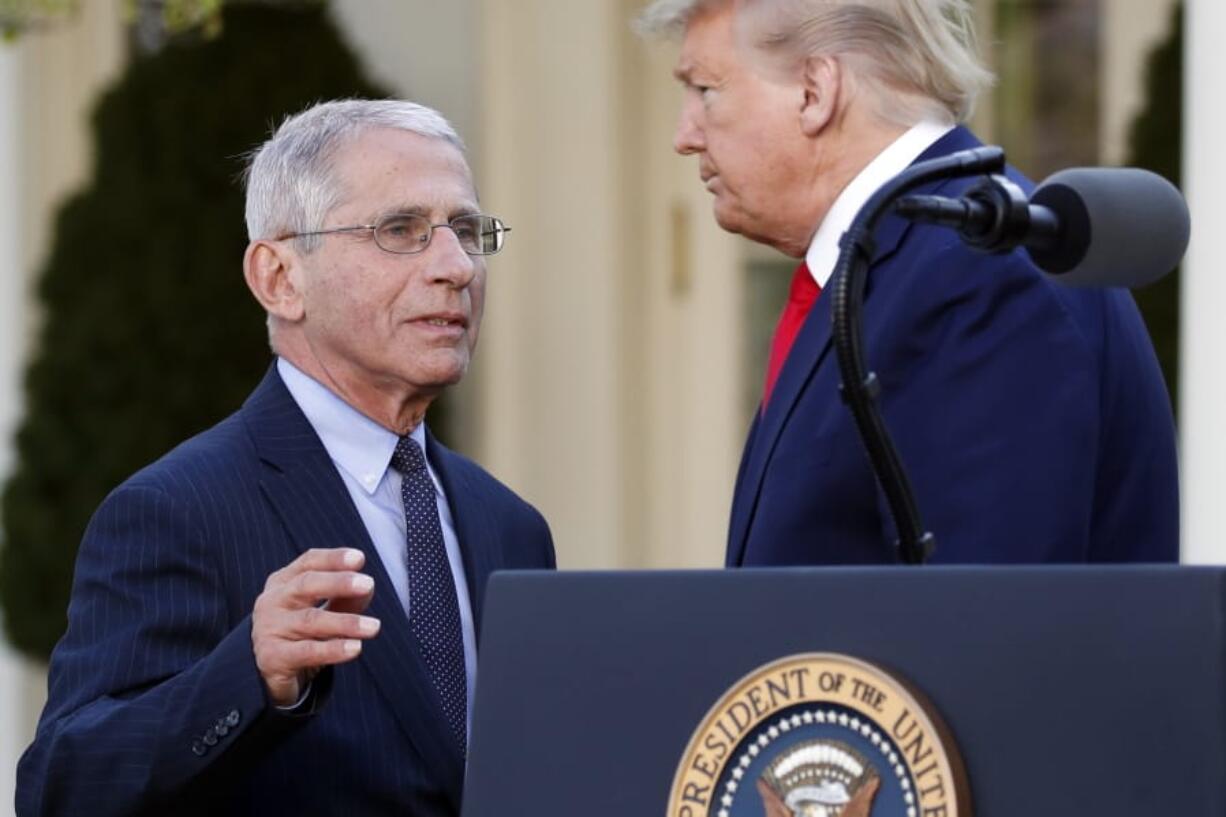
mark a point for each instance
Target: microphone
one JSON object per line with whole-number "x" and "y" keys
{"x": 1098, "y": 227}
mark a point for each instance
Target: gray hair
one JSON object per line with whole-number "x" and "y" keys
{"x": 668, "y": 18}
{"x": 290, "y": 179}
{"x": 920, "y": 56}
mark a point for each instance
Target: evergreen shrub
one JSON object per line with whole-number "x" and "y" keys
{"x": 149, "y": 333}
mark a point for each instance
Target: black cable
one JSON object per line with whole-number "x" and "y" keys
{"x": 860, "y": 387}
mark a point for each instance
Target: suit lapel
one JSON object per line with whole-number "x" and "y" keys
{"x": 473, "y": 524}
{"x": 810, "y": 351}
{"x": 807, "y": 353}
{"x": 303, "y": 486}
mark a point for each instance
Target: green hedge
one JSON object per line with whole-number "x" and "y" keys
{"x": 149, "y": 333}
{"x": 1156, "y": 142}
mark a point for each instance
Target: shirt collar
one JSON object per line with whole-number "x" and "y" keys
{"x": 824, "y": 249}
{"x": 356, "y": 443}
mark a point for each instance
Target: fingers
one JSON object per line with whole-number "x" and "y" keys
{"x": 321, "y": 575}
{"x": 288, "y": 662}
{"x": 308, "y": 589}
{"x": 318, "y": 623}
{"x": 309, "y": 617}
{"x": 321, "y": 653}
{"x": 326, "y": 560}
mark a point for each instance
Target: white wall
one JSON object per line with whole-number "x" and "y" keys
{"x": 610, "y": 359}
{"x": 425, "y": 51}
{"x": 1203, "y": 334}
{"x": 12, "y": 281}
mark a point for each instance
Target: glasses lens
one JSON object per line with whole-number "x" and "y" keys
{"x": 403, "y": 233}
{"x": 478, "y": 234}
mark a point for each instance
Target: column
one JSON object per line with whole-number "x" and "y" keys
{"x": 12, "y": 300}
{"x": 609, "y": 367}
{"x": 1203, "y": 336}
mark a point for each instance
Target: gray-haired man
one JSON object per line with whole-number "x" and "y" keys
{"x": 279, "y": 616}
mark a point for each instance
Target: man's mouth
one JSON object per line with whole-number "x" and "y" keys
{"x": 445, "y": 320}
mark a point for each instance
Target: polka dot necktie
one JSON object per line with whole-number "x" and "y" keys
{"x": 434, "y": 612}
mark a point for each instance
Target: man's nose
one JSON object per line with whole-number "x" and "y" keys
{"x": 449, "y": 263}
{"x": 688, "y": 137}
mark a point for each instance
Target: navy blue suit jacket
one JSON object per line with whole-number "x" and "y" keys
{"x": 155, "y": 703}
{"x": 1032, "y": 418}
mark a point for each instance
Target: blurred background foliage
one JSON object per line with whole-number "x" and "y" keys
{"x": 176, "y": 16}
{"x": 1155, "y": 142}
{"x": 149, "y": 334}
{"x": 18, "y": 16}
{"x": 1046, "y": 113}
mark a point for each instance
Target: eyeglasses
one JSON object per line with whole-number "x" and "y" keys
{"x": 405, "y": 233}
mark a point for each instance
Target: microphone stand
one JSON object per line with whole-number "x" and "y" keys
{"x": 860, "y": 388}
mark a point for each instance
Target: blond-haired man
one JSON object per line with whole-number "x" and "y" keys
{"x": 1033, "y": 419}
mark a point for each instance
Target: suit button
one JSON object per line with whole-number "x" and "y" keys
{"x": 210, "y": 738}
{"x": 221, "y": 729}
{"x": 198, "y": 750}
{"x": 233, "y": 718}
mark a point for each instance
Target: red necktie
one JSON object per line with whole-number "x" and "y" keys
{"x": 801, "y": 297}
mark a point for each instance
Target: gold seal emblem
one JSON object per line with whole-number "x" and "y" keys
{"x": 820, "y": 735}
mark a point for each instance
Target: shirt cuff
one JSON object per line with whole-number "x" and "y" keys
{"x": 299, "y": 706}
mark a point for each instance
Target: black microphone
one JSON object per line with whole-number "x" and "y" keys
{"x": 1115, "y": 227}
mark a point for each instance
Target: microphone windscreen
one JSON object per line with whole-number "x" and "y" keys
{"x": 1121, "y": 227}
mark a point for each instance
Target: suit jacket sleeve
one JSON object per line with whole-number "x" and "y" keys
{"x": 152, "y": 685}
{"x": 992, "y": 394}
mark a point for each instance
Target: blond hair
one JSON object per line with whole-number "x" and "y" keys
{"x": 919, "y": 57}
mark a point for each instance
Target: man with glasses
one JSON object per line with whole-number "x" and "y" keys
{"x": 279, "y": 617}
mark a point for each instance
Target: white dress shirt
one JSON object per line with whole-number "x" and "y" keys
{"x": 361, "y": 450}
{"x": 823, "y": 251}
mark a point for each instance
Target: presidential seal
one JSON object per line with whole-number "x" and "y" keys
{"x": 820, "y": 735}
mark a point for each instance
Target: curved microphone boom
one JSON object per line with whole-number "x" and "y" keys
{"x": 1087, "y": 227}
{"x": 1120, "y": 227}
{"x": 859, "y": 386}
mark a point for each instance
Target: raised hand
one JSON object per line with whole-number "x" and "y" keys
{"x": 310, "y": 616}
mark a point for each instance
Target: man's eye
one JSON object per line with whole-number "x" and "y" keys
{"x": 400, "y": 227}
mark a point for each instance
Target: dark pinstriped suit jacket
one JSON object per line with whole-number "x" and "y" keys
{"x": 155, "y": 703}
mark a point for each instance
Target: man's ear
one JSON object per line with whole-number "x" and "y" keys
{"x": 273, "y": 274}
{"x": 823, "y": 84}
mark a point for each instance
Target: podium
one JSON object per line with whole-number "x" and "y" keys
{"x": 1064, "y": 690}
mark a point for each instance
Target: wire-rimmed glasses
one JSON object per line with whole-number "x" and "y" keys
{"x": 408, "y": 233}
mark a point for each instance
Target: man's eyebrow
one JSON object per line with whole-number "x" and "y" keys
{"x": 403, "y": 210}
{"x": 424, "y": 211}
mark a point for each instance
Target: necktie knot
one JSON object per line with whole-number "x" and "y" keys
{"x": 408, "y": 457}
